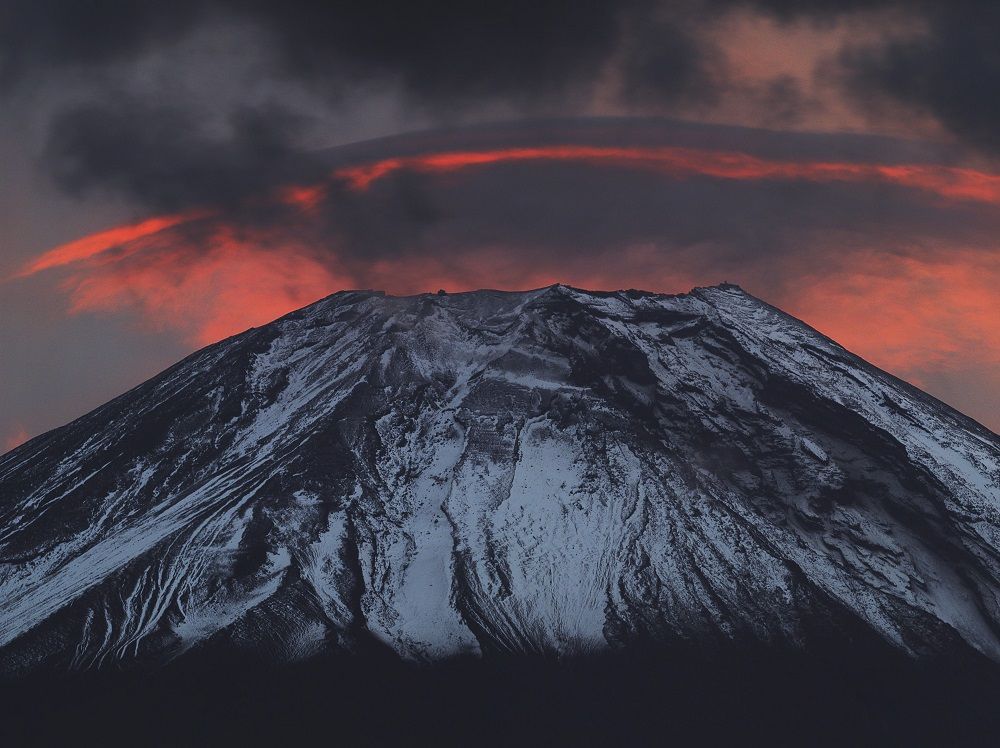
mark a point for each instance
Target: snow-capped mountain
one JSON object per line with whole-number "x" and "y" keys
{"x": 553, "y": 471}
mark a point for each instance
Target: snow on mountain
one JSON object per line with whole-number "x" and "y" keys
{"x": 554, "y": 471}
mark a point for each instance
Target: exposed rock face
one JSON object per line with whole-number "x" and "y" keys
{"x": 548, "y": 471}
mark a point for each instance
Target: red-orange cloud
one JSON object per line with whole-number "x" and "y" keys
{"x": 226, "y": 284}
{"x": 948, "y": 182}
{"x": 908, "y": 313}
{"x": 943, "y": 181}
{"x": 95, "y": 244}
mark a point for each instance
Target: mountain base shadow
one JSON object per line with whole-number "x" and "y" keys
{"x": 676, "y": 697}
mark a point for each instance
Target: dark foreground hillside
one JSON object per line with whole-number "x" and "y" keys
{"x": 849, "y": 697}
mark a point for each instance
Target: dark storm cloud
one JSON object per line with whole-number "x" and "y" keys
{"x": 165, "y": 157}
{"x": 570, "y": 211}
{"x": 445, "y": 51}
{"x": 820, "y": 9}
{"x": 441, "y": 58}
{"x": 437, "y": 51}
{"x": 951, "y": 72}
{"x": 663, "y": 61}
{"x": 552, "y": 208}
{"x": 49, "y": 34}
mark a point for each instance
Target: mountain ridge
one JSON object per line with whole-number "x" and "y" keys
{"x": 382, "y": 468}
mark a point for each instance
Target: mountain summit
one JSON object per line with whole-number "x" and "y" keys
{"x": 552, "y": 471}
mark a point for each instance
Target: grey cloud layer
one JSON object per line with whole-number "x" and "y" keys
{"x": 440, "y": 59}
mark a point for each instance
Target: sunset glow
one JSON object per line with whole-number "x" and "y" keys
{"x": 934, "y": 308}
{"x": 906, "y": 313}
{"x": 95, "y": 244}
{"x": 224, "y": 288}
{"x": 948, "y": 182}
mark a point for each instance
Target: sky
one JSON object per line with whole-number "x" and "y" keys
{"x": 174, "y": 173}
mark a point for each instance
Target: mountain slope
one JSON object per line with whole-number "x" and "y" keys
{"x": 548, "y": 471}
